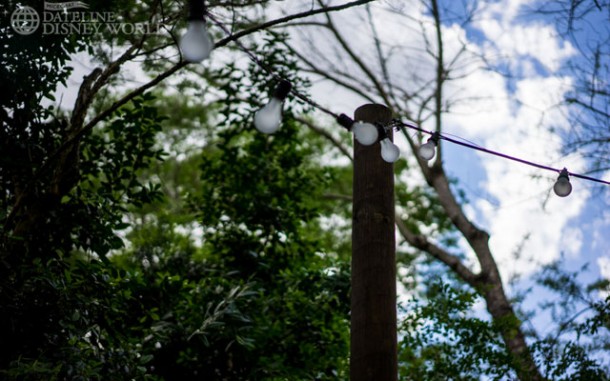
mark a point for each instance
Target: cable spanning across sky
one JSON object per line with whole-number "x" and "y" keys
{"x": 268, "y": 119}
{"x": 499, "y": 154}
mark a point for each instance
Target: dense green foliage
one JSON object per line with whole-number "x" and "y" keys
{"x": 252, "y": 296}
{"x": 444, "y": 342}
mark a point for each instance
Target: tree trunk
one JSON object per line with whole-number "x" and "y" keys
{"x": 510, "y": 327}
{"x": 488, "y": 282}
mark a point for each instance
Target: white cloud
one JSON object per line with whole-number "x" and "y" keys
{"x": 527, "y": 217}
{"x": 521, "y": 190}
{"x": 518, "y": 44}
{"x": 604, "y": 267}
{"x": 512, "y": 116}
{"x": 571, "y": 241}
{"x": 507, "y": 11}
{"x": 600, "y": 241}
{"x": 533, "y": 42}
{"x": 604, "y": 270}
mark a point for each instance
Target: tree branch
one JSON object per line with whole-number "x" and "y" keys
{"x": 365, "y": 69}
{"x": 382, "y": 60}
{"x": 268, "y": 24}
{"x": 420, "y": 242}
{"x": 315, "y": 69}
{"x": 327, "y": 135}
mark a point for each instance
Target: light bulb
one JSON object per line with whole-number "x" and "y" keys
{"x": 196, "y": 44}
{"x": 428, "y": 150}
{"x": 389, "y": 151}
{"x": 365, "y": 133}
{"x": 562, "y": 187}
{"x": 267, "y": 120}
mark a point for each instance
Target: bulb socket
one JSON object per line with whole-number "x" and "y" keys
{"x": 383, "y": 133}
{"x": 435, "y": 138}
{"x": 282, "y": 90}
{"x": 564, "y": 174}
{"x": 345, "y": 121}
{"x": 562, "y": 187}
{"x": 197, "y": 10}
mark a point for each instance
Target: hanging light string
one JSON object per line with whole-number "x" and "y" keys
{"x": 270, "y": 71}
{"x": 398, "y": 123}
{"x": 268, "y": 119}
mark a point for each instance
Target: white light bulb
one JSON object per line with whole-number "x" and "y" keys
{"x": 196, "y": 44}
{"x": 267, "y": 120}
{"x": 365, "y": 133}
{"x": 562, "y": 186}
{"x": 427, "y": 151}
{"x": 389, "y": 151}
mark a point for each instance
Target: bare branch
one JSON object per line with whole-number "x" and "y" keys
{"x": 365, "y": 69}
{"x": 282, "y": 20}
{"x": 381, "y": 59}
{"x": 327, "y": 135}
{"x": 315, "y": 69}
{"x": 421, "y": 242}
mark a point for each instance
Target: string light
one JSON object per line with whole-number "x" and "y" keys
{"x": 267, "y": 120}
{"x": 196, "y": 44}
{"x": 428, "y": 150}
{"x": 389, "y": 151}
{"x": 562, "y": 173}
{"x": 367, "y": 133}
{"x": 562, "y": 187}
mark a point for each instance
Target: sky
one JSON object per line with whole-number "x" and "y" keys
{"x": 518, "y": 122}
{"x": 516, "y": 115}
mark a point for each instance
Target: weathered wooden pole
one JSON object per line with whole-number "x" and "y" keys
{"x": 373, "y": 303}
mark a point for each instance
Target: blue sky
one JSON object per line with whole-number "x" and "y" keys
{"x": 582, "y": 237}
{"x": 519, "y": 115}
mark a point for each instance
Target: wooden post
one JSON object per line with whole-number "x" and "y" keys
{"x": 373, "y": 303}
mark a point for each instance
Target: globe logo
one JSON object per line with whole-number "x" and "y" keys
{"x": 25, "y": 20}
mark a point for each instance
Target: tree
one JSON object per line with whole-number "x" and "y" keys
{"x": 368, "y": 69}
{"x": 254, "y": 301}
{"x": 71, "y": 179}
{"x": 443, "y": 342}
{"x": 582, "y": 319}
{"x": 589, "y": 100}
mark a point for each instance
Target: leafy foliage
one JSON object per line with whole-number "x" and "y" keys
{"x": 572, "y": 352}
{"x": 442, "y": 341}
{"x": 253, "y": 297}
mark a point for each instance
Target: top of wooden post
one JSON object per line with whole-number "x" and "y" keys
{"x": 373, "y": 113}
